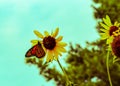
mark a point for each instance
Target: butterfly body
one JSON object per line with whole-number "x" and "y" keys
{"x": 36, "y": 50}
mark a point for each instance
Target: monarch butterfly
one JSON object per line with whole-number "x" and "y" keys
{"x": 36, "y": 50}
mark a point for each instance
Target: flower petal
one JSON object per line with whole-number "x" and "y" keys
{"x": 61, "y": 44}
{"x": 109, "y": 41}
{"x": 61, "y": 49}
{"x": 34, "y": 42}
{"x": 57, "y": 51}
{"x": 103, "y": 36}
{"x": 54, "y": 34}
{"x": 46, "y": 33}
{"x": 59, "y": 38}
{"x": 56, "y": 54}
{"x": 37, "y": 33}
{"x": 116, "y": 24}
{"x": 103, "y": 30}
{"x": 108, "y": 21}
{"x": 105, "y": 26}
{"x": 49, "y": 56}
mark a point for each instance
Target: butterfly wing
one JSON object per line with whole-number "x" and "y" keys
{"x": 39, "y": 51}
{"x": 36, "y": 50}
{"x": 31, "y": 51}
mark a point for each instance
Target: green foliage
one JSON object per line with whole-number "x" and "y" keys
{"x": 110, "y": 8}
{"x": 84, "y": 64}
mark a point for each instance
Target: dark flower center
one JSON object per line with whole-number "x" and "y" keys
{"x": 112, "y": 29}
{"x": 116, "y": 46}
{"x": 49, "y": 42}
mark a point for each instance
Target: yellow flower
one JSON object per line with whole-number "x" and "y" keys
{"x": 109, "y": 30}
{"x": 51, "y": 44}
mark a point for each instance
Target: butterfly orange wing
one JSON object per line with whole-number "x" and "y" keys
{"x": 36, "y": 50}
{"x": 39, "y": 51}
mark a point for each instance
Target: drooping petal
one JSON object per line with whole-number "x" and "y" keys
{"x": 46, "y": 33}
{"x": 55, "y": 33}
{"x": 57, "y": 51}
{"x": 59, "y": 38}
{"x": 109, "y": 41}
{"x": 50, "y": 56}
{"x": 56, "y": 54}
{"x": 103, "y": 36}
{"x": 37, "y": 33}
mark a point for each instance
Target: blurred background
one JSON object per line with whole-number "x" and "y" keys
{"x": 78, "y": 21}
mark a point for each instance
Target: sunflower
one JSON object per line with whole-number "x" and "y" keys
{"x": 51, "y": 44}
{"x": 109, "y": 30}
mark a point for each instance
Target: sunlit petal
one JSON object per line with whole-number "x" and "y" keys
{"x": 62, "y": 49}
{"x": 55, "y": 33}
{"x": 56, "y": 54}
{"x": 108, "y": 21}
{"x": 34, "y": 42}
{"x": 49, "y": 56}
{"x": 105, "y": 26}
{"x": 37, "y": 33}
{"x": 109, "y": 41}
{"x": 59, "y": 38}
{"x": 46, "y": 33}
{"x": 61, "y": 44}
{"x": 103, "y": 30}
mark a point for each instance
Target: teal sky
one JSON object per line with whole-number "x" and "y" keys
{"x": 18, "y": 19}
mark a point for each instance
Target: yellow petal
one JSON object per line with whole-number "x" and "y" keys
{"x": 105, "y": 26}
{"x": 61, "y": 44}
{"x": 62, "y": 49}
{"x": 108, "y": 21}
{"x": 109, "y": 41}
{"x": 37, "y": 33}
{"x": 116, "y": 24}
{"x": 59, "y": 38}
{"x": 34, "y": 42}
{"x": 105, "y": 21}
{"x": 103, "y": 36}
{"x": 104, "y": 30}
{"x": 57, "y": 51}
{"x": 55, "y": 33}
{"x": 56, "y": 54}
{"x": 49, "y": 56}
{"x": 46, "y": 33}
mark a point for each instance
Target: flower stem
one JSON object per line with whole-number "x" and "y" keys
{"x": 108, "y": 72}
{"x": 67, "y": 80}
